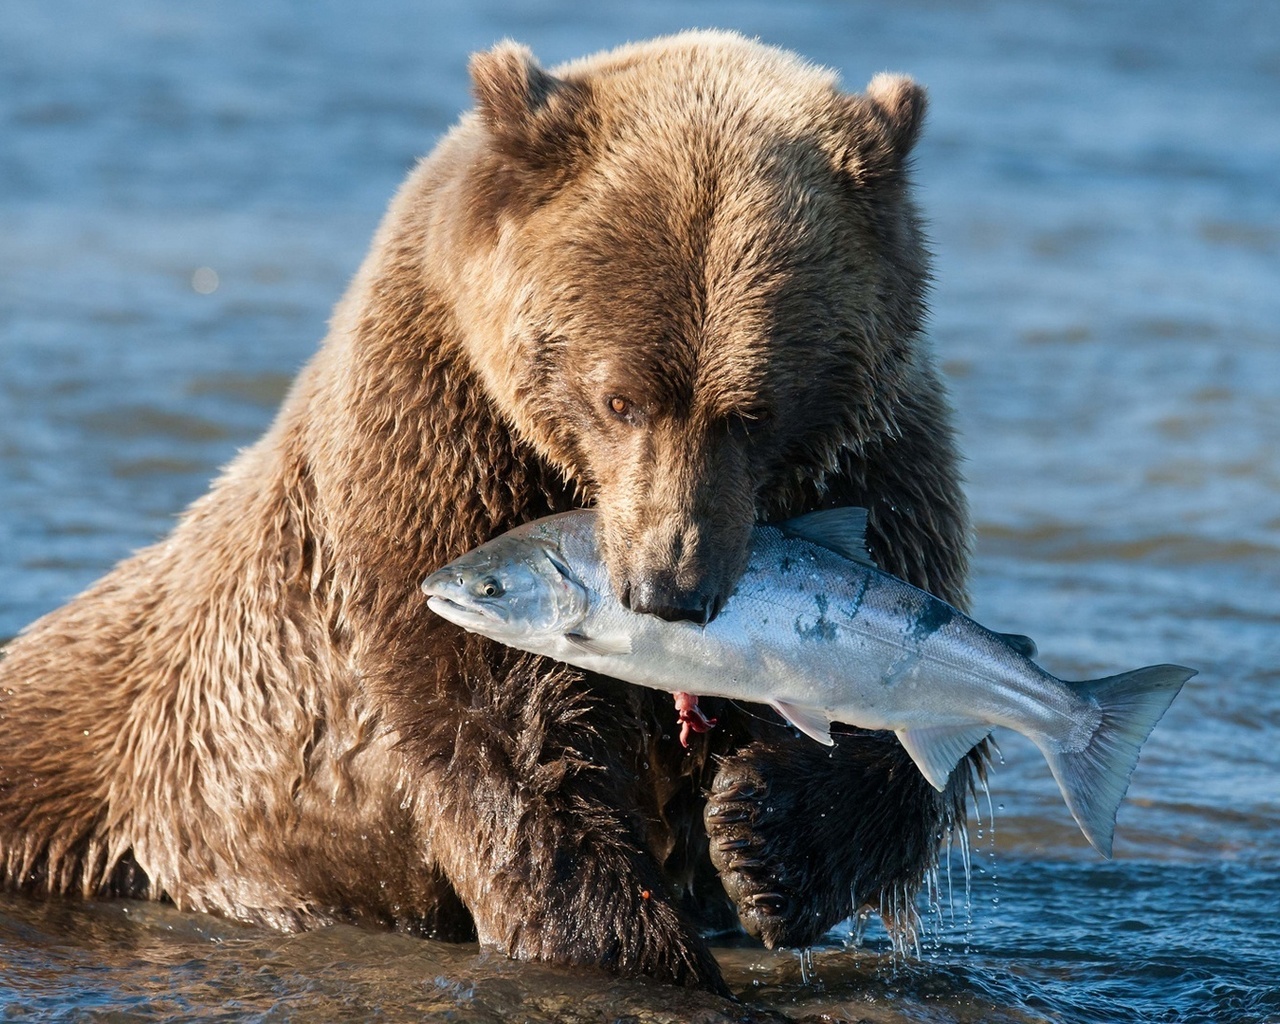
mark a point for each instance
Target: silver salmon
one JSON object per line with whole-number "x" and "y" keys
{"x": 820, "y": 634}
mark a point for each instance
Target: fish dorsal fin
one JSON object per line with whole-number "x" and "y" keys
{"x": 842, "y": 530}
{"x": 937, "y": 749}
{"x": 599, "y": 645}
{"x": 811, "y": 722}
{"x": 1024, "y": 645}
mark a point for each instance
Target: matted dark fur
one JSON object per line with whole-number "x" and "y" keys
{"x": 683, "y": 280}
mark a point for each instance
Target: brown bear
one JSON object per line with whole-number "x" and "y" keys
{"x": 683, "y": 281}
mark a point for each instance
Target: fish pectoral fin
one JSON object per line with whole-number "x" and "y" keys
{"x": 937, "y": 749}
{"x": 810, "y": 721}
{"x": 1024, "y": 645}
{"x": 599, "y": 645}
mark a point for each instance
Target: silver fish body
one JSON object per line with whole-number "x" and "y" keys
{"x": 817, "y": 632}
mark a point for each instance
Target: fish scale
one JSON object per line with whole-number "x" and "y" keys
{"x": 820, "y": 634}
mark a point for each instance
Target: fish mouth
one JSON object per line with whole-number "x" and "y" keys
{"x": 468, "y": 616}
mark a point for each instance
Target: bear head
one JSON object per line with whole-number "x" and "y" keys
{"x": 693, "y": 278}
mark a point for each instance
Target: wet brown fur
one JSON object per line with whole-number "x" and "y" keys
{"x": 258, "y": 716}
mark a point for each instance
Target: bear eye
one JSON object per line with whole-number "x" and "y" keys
{"x": 754, "y": 420}
{"x": 620, "y": 406}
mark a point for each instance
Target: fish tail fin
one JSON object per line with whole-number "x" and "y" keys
{"x": 1094, "y": 780}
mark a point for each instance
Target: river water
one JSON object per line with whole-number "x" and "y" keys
{"x": 184, "y": 190}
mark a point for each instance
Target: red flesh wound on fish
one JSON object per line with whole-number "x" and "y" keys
{"x": 691, "y": 717}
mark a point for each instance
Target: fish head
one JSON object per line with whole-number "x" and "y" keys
{"x": 515, "y": 589}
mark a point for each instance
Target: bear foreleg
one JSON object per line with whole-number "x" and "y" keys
{"x": 532, "y": 780}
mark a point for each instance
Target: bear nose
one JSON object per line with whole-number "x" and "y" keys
{"x": 651, "y": 596}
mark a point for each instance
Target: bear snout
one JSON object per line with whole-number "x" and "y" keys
{"x": 676, "y": 514}
{"x": 679, "y": 570}
{"x": 656, "y": 595}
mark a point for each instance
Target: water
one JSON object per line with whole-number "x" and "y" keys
{"x": 1103, "y": 195}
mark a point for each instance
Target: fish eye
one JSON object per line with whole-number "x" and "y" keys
{"x": 490, "y": 586}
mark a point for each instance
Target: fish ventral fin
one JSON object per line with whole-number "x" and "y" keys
{"x": 810, "y": 721}
{"x": 937, "y": 749}
{"x": 842, "y": 530}
{"x": 597, "y": 645}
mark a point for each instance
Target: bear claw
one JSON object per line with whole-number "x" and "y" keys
{"x": 770, "y": 903}
{"x": 728, "y": 815}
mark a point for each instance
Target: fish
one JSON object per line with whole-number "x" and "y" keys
{"x": 820, "y": 634}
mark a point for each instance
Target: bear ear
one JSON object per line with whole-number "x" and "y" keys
{"x": 902, "y": 103}
{"x": 880, "y": 128}
{"x": 532, "y": 116}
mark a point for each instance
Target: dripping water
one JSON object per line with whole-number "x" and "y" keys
{"x": 990, "y": 861}
{"x": 966, "y": 864}
{"x": 917, "y": 923}
{"x": 807, "y": 974}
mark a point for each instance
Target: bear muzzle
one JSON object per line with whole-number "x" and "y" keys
{"x": 681, "y": 571}
{"x": 655, "y": 595}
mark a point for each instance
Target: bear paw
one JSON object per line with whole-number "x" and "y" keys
{"x": 761, "y": 855}
{"x": 803, "y": 835}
